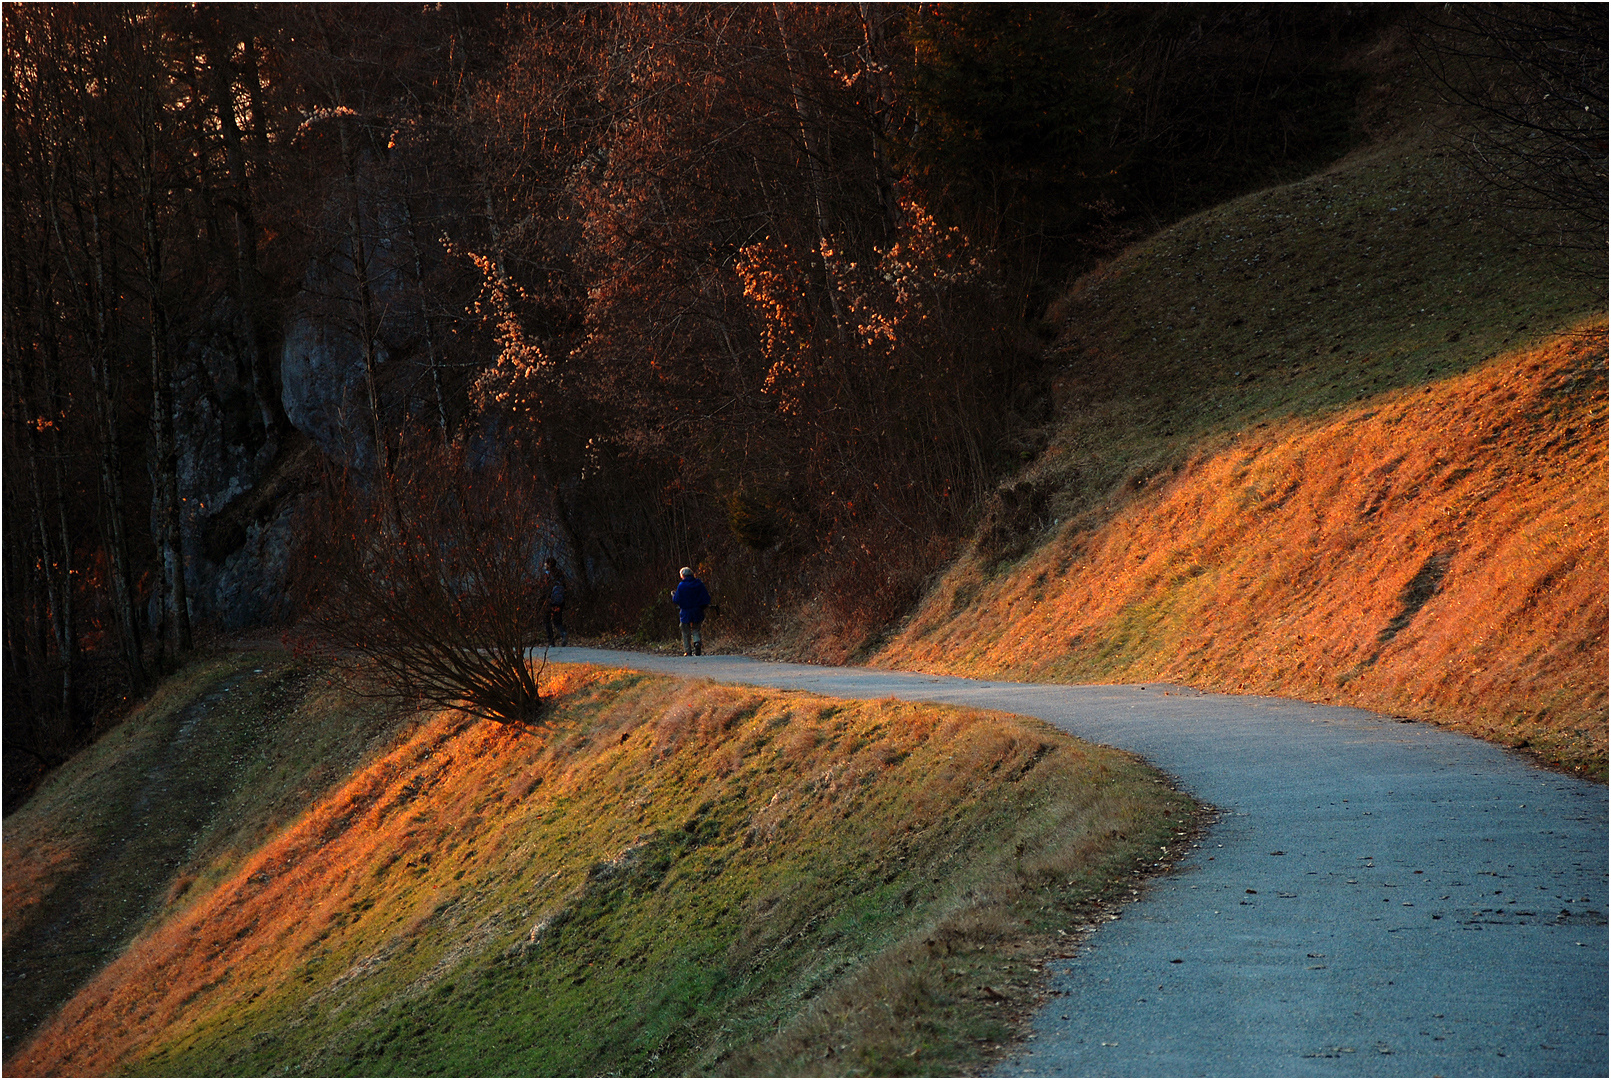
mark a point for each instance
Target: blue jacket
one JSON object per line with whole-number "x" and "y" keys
{"x": 691, "y": 598}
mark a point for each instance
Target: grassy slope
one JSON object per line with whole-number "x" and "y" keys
{"x": 1342, "y": 440}
{"x": 223, "y": 756}
{"x": 679, "y": 878}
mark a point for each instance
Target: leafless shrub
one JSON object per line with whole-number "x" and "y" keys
{"x": 429, "y": 579}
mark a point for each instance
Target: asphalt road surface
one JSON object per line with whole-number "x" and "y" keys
{"x": 1377, "y": 898}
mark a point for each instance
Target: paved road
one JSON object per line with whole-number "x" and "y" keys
{"x": 1377, "y": 898}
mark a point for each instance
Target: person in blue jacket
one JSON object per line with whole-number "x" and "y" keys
{"x": 691, "y": 598}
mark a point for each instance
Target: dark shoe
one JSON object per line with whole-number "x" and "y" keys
{"x": 698, "y": 651}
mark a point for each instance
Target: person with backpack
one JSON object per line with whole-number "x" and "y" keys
{"x": 554, "y": 602}
{"x": 691, "y": 598}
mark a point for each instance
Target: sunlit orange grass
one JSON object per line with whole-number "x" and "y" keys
{"x": 372, "y": 866}
{"x": 1439, "y": 553}
{"x": 267, "y": 920}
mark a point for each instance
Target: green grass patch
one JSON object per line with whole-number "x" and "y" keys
{"x": 673, "y": 879}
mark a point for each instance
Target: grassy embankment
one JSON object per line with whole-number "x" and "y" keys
{"x": 678, "y": 878}
{"x": 1344, "y": 441}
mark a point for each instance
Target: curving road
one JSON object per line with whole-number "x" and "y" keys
{"x": 1377, "y": 898}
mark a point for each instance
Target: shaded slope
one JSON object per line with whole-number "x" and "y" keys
{"x": 674, "y": 873}
{"x": 1342, "y": 440}
{"x": 221, "y": 756}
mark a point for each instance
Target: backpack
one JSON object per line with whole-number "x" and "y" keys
{"x": 556, "y": 599}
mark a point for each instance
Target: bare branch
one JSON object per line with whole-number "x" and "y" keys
{"x": 437, "y": 594}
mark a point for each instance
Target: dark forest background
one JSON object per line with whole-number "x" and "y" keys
{"x": 756, "y": 288}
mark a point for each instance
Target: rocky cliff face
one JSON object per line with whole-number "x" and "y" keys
{"x": 226, "y": 448}
{"x": 243, "y": 472}
{"x": 322, "y": 374}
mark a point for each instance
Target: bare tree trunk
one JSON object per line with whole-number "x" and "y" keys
{"x": 95, "y": 311}
{"x": 247, "y": 279}
{"x": 28, "y": 720}
{"x": 67, "y": 618}
{"x": 813, "y": 158}
{"x": 37, "y": 556}
{"x": 877, "y": 101}
{"x": 367, "y": 328}
{"x": 425, "y": 317}
{"x": 561, "y": 516}
{"x": 79, "y": 186}
{"x": 175, "y": 604}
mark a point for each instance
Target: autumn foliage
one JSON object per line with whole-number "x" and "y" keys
{"x": 760, "y": 288}
{"x": 708, "y": 287}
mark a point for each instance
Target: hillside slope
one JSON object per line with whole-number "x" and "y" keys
{"x": 676, "y": 878}
{"x": 1343, "y": 440}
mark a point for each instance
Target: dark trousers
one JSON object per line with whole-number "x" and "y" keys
{"x": 554, "y": 620}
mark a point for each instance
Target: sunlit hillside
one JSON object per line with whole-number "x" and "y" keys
{"x": 1343, "y": 440}
{"x": 676, "y": 878}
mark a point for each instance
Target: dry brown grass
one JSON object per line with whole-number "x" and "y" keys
{"x": 1437, "y": 552}
{"x": 264, "y": 923}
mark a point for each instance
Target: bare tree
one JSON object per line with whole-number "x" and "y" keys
{"x": 65, "y": 84}
{"x": 1531, "y": 80}
{"x": 156, "y": 179}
